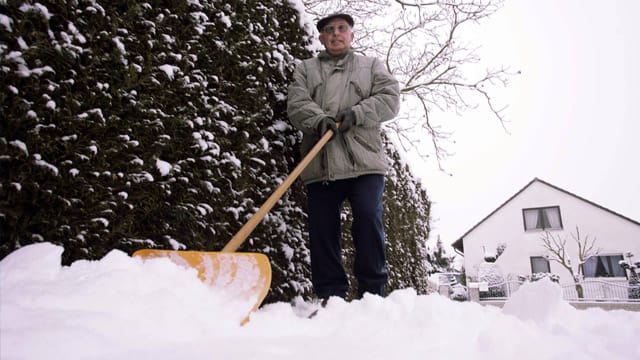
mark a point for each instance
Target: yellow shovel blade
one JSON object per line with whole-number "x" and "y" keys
{"x": 246, "y": 275}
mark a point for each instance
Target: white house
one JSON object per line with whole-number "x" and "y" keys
{"x": 542, "y": 209}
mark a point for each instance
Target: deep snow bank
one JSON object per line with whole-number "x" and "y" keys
{"x": 121, "y": 307}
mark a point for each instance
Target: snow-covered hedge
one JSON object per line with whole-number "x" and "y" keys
{"x": 128, "y": 124}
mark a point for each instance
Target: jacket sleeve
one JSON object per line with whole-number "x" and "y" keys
{"x": 384, "y": 102}
{"x": 303, "y": 112}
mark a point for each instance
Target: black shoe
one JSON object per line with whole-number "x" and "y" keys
{"x": 323, "y": 304}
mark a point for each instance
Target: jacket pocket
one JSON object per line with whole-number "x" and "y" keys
{"x": 356, "y": 91}
{"x": 366, "y": 149}
{"x": 370, "y": 140}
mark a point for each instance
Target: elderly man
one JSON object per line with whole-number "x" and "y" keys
{"x": 351, "y": 95}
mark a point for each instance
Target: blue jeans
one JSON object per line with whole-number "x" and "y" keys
{"x": 325, "y": 200}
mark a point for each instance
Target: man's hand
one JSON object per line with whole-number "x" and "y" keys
{"x": 347, "y": 119}
{"x": 326, "y": 124}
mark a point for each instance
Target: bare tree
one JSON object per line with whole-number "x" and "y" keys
{"x": 421, "y": 43}
{"x": 557, "y": 247}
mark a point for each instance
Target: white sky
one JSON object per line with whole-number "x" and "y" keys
{"x": 574, "y": 113}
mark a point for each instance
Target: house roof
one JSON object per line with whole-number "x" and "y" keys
{"x": 459, "y": 245}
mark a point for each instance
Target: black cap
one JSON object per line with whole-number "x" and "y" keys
{"x": 326, "y": 20}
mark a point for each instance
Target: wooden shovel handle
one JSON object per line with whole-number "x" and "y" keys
{"x": 248, "y": 227}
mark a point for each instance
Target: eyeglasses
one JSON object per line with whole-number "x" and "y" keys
{"x": 330, "y": 29}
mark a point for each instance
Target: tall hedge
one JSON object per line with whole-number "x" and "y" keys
{"x": 128, "y": 124}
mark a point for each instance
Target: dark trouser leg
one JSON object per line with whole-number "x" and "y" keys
{"x": 324, "y": 206}
{"x": 368, "y": 234}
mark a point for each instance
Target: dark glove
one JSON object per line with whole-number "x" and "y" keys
{"x": 347, "y": 119}
{"x": 326, "y": 124}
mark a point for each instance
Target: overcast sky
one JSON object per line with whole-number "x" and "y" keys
{"x": 574, "y": 113}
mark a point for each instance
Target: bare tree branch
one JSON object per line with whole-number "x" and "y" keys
{"x": 422, "y": 46}
{"x": 558, "y": 248}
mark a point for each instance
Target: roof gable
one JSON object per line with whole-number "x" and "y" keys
{"x": 458, "y": 244}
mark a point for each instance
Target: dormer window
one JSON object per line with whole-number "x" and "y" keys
{"x": 544, "y": 218}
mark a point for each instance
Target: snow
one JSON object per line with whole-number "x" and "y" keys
{"x": 163, "y": 167}
{"x": 125, "y": 308}
{"x": 170, "y": 70}
{"x": 38, "y": 161}
{"x": 6, "y": 22}
{"x": 37, "y": 8}
{"x": 20, "y": 145}
{"x": 101, "y": 220}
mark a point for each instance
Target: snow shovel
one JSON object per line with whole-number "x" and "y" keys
{"x": 246, "y": 276}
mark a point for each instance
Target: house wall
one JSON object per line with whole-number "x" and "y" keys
{"x": 613, "y": 234}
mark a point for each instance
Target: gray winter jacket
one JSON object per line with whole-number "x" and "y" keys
{"x": 324, "y": 85}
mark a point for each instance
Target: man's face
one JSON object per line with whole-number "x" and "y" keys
{"x": 336, "y": 36}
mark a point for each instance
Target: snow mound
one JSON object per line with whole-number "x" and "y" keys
{"x": 124, "y": 308}
{"x": 39, "y": 261}
{"x": 538, "y": 301}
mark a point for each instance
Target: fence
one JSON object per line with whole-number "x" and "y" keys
{"x": 599, "y": 290}
{"x": 501, "y": 291}
{"x": 592, "y": 290}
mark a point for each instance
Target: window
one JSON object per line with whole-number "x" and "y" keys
{"x": 603, "y": 266}
{"x": 540, "y": 264}
{"x": 542, "y": 218}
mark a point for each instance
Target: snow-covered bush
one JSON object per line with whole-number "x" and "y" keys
{"x": 489, "y": 272}
{"x": 553, "y": 277}
{"x": 633, "y": 276}
{"x": 160, "y": 124}
{"x": 459, "y": 293}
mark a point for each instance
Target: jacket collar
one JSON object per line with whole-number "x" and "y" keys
{"x": 325, "y": 56}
